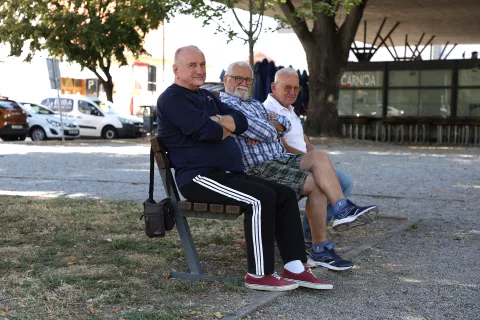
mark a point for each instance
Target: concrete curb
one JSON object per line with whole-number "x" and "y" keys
{"x": 271, "y": 296}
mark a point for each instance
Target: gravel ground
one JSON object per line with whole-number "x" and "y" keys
{"x": 428, "y": 272}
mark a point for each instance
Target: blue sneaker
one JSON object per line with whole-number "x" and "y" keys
{"x": 328, "y": 259}
{"x": 354, "y": 216}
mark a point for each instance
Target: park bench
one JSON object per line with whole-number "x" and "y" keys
{"x": 186, "y": 209}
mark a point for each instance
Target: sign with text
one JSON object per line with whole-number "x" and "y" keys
{"x": 362, "y": 79}
{"x": 53, "y": 73}
{"x": 92, "y": 87}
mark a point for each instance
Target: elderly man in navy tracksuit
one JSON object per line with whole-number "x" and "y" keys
{"x": 196, "y": 129}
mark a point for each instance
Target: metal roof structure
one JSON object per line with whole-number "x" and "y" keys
{"x": 456, "y": 21}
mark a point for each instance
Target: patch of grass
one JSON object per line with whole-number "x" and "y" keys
{"x": 60, "y": 256}
{"x": 152, "y": 315}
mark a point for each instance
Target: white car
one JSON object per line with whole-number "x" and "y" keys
{"x": 132, "y": 126}
{"x": 92, "y": 120}
{"x": 44, "y": 124}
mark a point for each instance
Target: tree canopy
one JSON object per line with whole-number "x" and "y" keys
{"x": 92, "y": 33}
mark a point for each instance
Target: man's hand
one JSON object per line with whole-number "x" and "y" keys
{"x": 227, "y": 133}
{"x": 251, "y": 142}
{"x": 271, "y": 115}
{"x": 278, "y": 126}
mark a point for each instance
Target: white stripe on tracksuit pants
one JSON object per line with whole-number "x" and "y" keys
{"x": 274, "y": 214}
{"x": 256, "y": 217}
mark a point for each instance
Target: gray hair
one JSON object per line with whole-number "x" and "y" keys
{"x": 239, "y": 64}
{"x": 285, "y": 70}
{"x": 179, "y": 51}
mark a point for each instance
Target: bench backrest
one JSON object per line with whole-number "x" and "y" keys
{"x": 187, "y": 208}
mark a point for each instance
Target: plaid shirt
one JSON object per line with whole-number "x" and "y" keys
{"x": 259, "y": 129}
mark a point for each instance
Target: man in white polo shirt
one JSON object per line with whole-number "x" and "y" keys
{"x": 285, "y": 90}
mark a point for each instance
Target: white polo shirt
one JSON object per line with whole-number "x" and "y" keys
{"x": 294, "y": 137}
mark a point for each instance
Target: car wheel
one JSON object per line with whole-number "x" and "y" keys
{"x": 38, "y": 134}
{"x": 109, "y": 133}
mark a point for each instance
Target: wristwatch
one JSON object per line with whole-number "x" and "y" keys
{"x": 220, "y": 118}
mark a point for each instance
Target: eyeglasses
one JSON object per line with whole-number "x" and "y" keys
{"x": 288, "y": 88}
{"x": 239, "y": 79}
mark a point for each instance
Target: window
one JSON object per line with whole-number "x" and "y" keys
{"x": 367, "y": 102}
{"x": 469, "y": 77}
{"x": 419, "y": 102}
{"x": 468, "y": 103}
{"x": 436, "y": 78}
{"x": 361, "y": 93}
{"x": 88, "y": 108}
{"x": 9, "y": 105}
{"x": 345, "y": 103}
{"x": 402, "y": 102}
{"x": 409, "y": 78}
{"x": 52, "y": 103}
{"x": 435, "y": 102}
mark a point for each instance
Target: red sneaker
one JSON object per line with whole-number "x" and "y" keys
{"x": 271, "y": 282}
{"x": 306, "y": 279}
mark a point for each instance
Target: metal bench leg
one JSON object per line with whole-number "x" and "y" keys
{"x": 351, "y": 131}
{"x": 188, "y": 244}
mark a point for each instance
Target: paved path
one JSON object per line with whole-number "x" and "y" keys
{"x": 430, "y": 272}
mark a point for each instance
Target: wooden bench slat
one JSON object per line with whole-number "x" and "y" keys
{"x": 159, "y": 160}
{"x": 217, "y": 207}
{"x": 185, "y": 205}
{"x": 233, "y": 209}
{"x": 211, "y": 215}
{"x": 200, "y": 206}
{"x": 157, "y": 145}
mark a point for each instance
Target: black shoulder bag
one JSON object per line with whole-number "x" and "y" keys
{"x": 158, "y": 216}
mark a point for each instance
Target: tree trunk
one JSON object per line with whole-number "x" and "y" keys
{"x": 325, "y": 68}
{"x": 326, "y": 47}
{"x": 108, "y": 87}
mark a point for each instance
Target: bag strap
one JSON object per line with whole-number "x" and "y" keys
{"x": 152, "y": 177}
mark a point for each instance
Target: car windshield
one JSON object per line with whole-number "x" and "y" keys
{"x": 9, "y": 105}
{"x": 35, "y": 108}
{"x": 105, "y": 106}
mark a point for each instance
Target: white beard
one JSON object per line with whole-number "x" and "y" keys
{"x": 242, "y": 92}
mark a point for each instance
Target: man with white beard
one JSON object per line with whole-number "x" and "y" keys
{"x": 310, "y": 174}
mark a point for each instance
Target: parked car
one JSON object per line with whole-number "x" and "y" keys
{"x": 91, "y": 119}
{"x": 133, "y": 126}
{"x": 44, "y": 124}
{"x": 149, "y": 116}
{"x": 13, "y": 121}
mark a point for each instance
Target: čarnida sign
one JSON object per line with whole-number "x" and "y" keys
{"x": 360, "y": 79}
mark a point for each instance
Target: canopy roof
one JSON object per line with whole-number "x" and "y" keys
{"x": 456, "y": 21}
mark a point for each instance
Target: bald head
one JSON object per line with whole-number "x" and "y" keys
{"x": 184, "y": 50}
{"x": 189, "y": 67}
